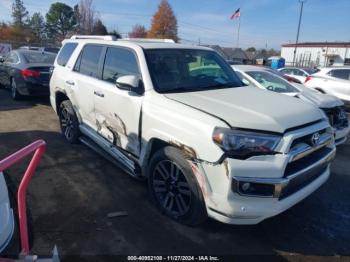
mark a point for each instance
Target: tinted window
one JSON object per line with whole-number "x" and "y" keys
{"x": 272, "y": 82}
{"x": 311, "y": 71}
{"x": 33, "y": 57}
{"x": 89, "y": 60}
{"x": 119, "y": 62}
{"x": 65, "y": 53}
{"x": 341, "y": 73}
{"x": 286, "y": 71}
{"x": 188, "y": 70}
{"x": 298, "y": 72}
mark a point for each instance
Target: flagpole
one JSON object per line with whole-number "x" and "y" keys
{"x": 239, "y": 27}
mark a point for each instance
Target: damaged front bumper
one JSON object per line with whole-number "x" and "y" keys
{"x": 249, "y": 191}
{"x": 341, "y": 135}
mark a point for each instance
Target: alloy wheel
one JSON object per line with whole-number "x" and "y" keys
{"x": 171, "y": 188}
{"x": 67, "y": 123}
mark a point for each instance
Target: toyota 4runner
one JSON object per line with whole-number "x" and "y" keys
{"x": 179, "y": 116}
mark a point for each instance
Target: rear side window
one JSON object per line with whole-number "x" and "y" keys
{"x": 65, "y": 54}
{"x": 340, "y": 73}
{"x": 119, "y": 62}
{"x": 88, "y": 62}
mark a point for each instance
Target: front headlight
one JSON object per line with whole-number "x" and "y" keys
{"x": 244, "y": 144}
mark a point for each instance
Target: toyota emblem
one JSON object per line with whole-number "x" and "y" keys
{"x": 315, "y": 139}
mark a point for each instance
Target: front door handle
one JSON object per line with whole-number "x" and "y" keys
{"x": 96, "y": 93}
{"x": 69, "y": 82}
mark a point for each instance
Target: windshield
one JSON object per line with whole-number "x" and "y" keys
{"x": 311, "y": 71}
{"x": 39, "y": 57}
{"x": 186, "y": 70}
{"x": 272, "y": 82}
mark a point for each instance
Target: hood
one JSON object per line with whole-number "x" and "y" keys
{"x": 316, "y": 98}
{"x": 251, "y": 108}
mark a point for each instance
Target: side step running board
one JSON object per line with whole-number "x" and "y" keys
{"x": 108, "y": 151}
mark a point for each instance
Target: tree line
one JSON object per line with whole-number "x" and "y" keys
{"x": 62, "y": 21}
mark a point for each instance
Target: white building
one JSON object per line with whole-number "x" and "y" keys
{"x": 317, "y": 53}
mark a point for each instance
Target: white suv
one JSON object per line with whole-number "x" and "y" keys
{"x": 179, "y": 116}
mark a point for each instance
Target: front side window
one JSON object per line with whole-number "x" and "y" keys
{"x": 65, "y": 53}
{"x": 341, "y": 73}
{"x": 186, "y": 70}
{"x": 88, "y": 62}
{"x": 119, "y": 62}
{"x": 272, "y": 82}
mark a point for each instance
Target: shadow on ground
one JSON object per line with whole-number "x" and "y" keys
{"x": 7, "y": 104}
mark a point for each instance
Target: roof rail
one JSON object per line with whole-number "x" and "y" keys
{"x": 99, "y": 37}
{"x": 154, "y": 40}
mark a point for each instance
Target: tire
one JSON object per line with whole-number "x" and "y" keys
{"x": 174, "y": 189}
{"x": 14, "y": 91}
{"x": 69, "y": 122}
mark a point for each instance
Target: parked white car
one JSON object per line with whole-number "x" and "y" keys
{"x": 333, "y": 107}
{"x": 332, "y": 80}
{"x": 299, "y": 73}
{"x": 6, "y": 216}
{"x": 180, "y": 117}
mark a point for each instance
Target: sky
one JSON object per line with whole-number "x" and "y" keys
{"x": 264, "y": 23}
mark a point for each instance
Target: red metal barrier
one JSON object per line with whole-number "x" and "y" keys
{"x": 38, "y": 147}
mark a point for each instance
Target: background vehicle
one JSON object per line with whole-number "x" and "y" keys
{"x": 267, "y": 79}
{"x": 26, "y": 72}
{"x": 299, "y": 73}
{"x": 42, "y": 49}
{"x": 179, "y": 116}
{"x": 332, "y": 80}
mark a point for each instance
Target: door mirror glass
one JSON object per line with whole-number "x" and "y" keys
{"x": 2, "y": 59}
{"x": 245, "y": 82}
{"x": 130, "y": 83}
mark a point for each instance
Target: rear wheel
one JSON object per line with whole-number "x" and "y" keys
{"x": 174, "y": 187}
{"x": 69, "y": 122}
{"x": 14, "y": 92}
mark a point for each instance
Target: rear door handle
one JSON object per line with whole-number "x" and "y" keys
{"x": 96, "y": 93}
{"x": 71, "y": 83}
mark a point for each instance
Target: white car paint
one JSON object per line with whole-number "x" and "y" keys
{"x": 6, "y": 216}
{"x": 325, "y": 82}
{"x": 187, "y": 121}
{"x": 298, "y": 73}
{"x": 306, "y": 94}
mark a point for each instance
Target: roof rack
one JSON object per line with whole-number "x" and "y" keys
{"x": 99, "y": 37}
{"x": 152, "y": 40}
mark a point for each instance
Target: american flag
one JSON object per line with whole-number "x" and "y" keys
{"x": 236, "y": 14}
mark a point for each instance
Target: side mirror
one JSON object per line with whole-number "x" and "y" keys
{"x": 2, "y": 59}
{"x": 245, "y": 82}
{"x": 130, "y": 83}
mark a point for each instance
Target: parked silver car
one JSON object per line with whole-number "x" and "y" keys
{"x": 332, "y": 80}
{"x": 333, "y": 107}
